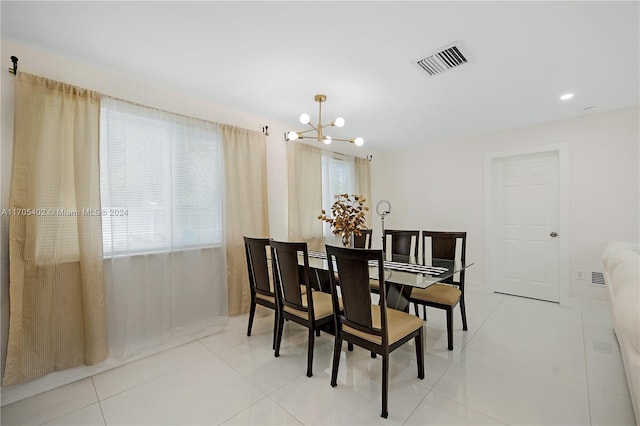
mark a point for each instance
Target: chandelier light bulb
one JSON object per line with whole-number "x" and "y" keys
{"x": 316, "y": 130}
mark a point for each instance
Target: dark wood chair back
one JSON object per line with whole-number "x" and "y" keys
{"x": 364, "y": 239}
{"x": 443, "y": 246}
{"x": 363, "y": 323}
{"x": 353, "y": 270}
{"x": 257, "y": 265}
{"x": 260, "y": 284}
{"x": 402, "y": 242}
{"x": 288, "y": 276}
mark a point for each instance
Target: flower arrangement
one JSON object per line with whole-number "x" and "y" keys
{"x": 348, "y": 216}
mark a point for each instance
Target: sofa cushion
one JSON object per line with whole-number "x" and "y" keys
{"x": 626, "y": 272}
{"x": 626, "y": 306}
{"x": 619, "y": 256}
{"x": 610, "y": 249}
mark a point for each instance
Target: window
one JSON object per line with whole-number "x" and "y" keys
{"x": 161, "y": 180}
{"x": 338, "y": 177}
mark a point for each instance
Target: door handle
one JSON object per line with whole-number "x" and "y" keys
{"x": 553, "y": 234}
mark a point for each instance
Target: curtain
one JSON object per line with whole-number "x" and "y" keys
{"x": 305, "y": 194}
{"x": 56, "y": 289}
{"x": 246, "y": 206}
{"x": 162, "y": 184}
{"x": 363, "y": 184}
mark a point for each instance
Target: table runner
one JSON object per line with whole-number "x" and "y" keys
{"x": 398, "y": 266}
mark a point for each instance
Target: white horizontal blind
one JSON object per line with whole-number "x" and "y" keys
{"x": 161, "y": 180}
{"x": 338, "y": 177}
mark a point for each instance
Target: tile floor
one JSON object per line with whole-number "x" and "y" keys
{"x": 521, "y": 362}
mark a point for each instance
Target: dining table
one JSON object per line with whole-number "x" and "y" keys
{"x": 401, "y": 274}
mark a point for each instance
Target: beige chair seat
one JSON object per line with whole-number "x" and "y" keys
{"x": 374, "y": 284}
{"x": 438, "y": 293}
{"x": 270, "y": 299}
{"x": 399, "y": 325}
{"x": 322, "y": 306}
{"x": 303, "y": 290}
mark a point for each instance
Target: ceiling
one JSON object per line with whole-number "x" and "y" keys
{"x": 271, "y": 58}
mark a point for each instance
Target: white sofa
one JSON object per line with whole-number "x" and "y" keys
{"x": 621, "y": 266}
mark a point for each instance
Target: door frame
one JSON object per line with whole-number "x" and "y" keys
{"x": 490, "y": 241}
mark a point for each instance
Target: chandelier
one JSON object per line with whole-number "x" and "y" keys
{"x": 318, "y": 129}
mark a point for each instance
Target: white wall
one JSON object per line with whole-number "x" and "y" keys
{"x": 441, "y": 187}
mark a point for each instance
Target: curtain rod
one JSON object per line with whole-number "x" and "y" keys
{"x": 14, "y": 70}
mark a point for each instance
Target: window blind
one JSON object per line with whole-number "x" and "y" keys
{"x": 338, "y": 177}
{"x": 161, "y": 180}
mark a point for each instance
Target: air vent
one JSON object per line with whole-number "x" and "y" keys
{"x": 444, "y": 59}
{"x": 597, "y": 278}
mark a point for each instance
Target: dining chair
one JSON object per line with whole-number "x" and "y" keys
{"x": 260, "y": 284}
{"x": 312, "y": 309}
{"x": 451, "y": 292}
{"x": 403, "y": 242}
{"x": 374, "y": 327}
{"x": 364, "y": 239}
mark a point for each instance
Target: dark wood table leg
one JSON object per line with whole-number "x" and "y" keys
{"x": 398, "y": 296}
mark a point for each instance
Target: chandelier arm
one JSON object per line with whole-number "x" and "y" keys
{"x": 319, "y": 136}
{"x": 316, "y": 138}
{"x": 345, "y": 140}
{"x": 305, "y": 131}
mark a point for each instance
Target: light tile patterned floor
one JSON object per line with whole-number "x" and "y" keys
{"x": 520, "y": 362}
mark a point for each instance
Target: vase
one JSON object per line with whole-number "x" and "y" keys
{"x": 346, "y": 239}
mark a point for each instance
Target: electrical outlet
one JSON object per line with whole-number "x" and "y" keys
{"x": 579, "y": 274}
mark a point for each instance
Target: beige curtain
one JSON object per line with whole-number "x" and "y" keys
{"x": 363, "y": 184}
{"x": 305, "y": 194}
{"x": 246, "y": 206}
{"x": 56, "y": 289}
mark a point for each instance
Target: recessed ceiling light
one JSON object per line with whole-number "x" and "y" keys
{"x": 566, "y": 96}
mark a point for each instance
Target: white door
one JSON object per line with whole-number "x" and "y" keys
{"x": 525, "y": 209}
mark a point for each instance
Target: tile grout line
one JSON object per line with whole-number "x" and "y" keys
{"x": 265, "y": 394}
{"x": 586, "y": 367}
{"x": 104, "y": 420}
{"x": 463, "y": 348}
{"x": 470, "y": 408}
{"x": 284, "y": 409}
{"x": 539, "y": 334}
{"x": 72, "y": 411}
{"x": 466, "y": 348}
{"x": 242, "y": 411}
{"x": 165, "y": 373}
